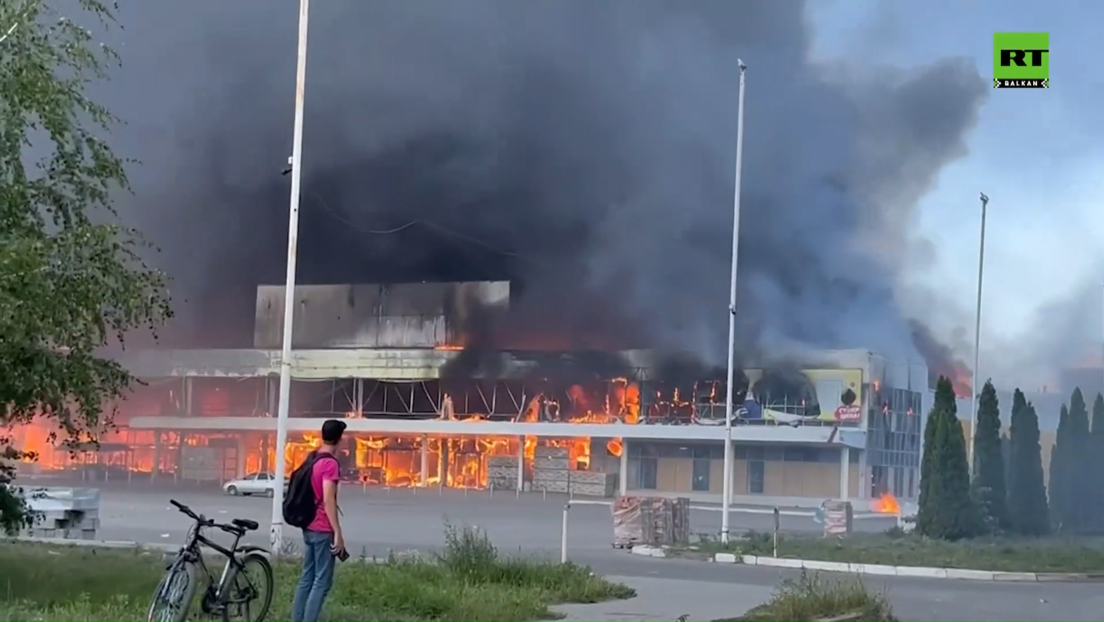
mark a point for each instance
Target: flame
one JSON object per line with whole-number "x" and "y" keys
{"x": 449, "y": 347}
{"x": 886, "y": 504}
{"x": 961, "y": 381}
{"x": 615, "y": 447}
{"x": 394, "y": 461}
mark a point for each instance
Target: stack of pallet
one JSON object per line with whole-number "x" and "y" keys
{"x": 592, "y": 483}
{"x": 656, "y": 521}
{"x": 680, "y": 521}
{"x": 552, "y": 473}
{"x": 502, "y": 472}
{"x": 632, "y": 522}
{"x": 551, "y": 469}
{"x": 839, "y": 518}
{"x": 72, "y": 513}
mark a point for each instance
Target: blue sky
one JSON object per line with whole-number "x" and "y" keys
{"x": 1037, "y": 154}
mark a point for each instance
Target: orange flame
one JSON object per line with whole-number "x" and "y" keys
{"x": 392, "y": 461}
{"x": 886, "y": 504}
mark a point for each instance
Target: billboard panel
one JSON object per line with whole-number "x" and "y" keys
{"x": 790, "y": 397}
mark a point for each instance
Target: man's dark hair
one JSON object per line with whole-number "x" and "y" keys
{"x": 332, "y": 430}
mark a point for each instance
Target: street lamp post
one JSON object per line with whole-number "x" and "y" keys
{"x": 975, "y": 388}
{"x": 726, "y": 494}
{"x": 289, "y": 285}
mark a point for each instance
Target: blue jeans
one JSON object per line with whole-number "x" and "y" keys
{"x": 317, "y": 578}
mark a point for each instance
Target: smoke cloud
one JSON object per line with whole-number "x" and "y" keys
{"x": 583, "y": 150}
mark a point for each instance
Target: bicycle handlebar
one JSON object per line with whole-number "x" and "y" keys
{"x": 201, "y": 519}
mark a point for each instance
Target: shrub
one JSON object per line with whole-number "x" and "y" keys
{"x": 809, "y": 598}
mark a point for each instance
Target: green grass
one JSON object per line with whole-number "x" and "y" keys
{"x": 1003, "y": 554}
{"x": 469, "y": 580}
{"x": 810, "y": 598}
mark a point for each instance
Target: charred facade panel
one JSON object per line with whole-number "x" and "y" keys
{"x": 407, "y": 315}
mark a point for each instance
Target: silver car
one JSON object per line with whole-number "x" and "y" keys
{"x": 252, "y": 484}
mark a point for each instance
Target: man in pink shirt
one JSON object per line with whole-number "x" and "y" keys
{"x": 322, "y": 539}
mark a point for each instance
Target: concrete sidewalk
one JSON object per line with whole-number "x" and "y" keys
{"x": 660, "y": 600}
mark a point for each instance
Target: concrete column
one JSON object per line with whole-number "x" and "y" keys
{"x": 178, "y": 468}
{"x": 623, "y": 473}
{"x": 188, "y": 406}
{"x": 240, "y": 466}
{"x": 864, "y": 475}
{"x": 845, "y": 466}
{"x": 521, "y": 464}
{"x": 422, "y": 482}
{"x": 442, "y": 462}
{"x": 156, "y": 454}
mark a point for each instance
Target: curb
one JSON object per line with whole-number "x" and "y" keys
{"x": 648, "y": 551}
{"x": 919, "y": 572}
{"x": 164, "y": 547}
{"x": 99, "y": 544}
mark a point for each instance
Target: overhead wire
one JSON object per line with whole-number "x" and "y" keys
{"x": 425, "y": 223}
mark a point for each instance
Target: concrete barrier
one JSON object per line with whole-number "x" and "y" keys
{"x": 62, "y": 512}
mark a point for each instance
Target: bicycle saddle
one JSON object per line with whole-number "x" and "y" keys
{"x": 246, "y": 524}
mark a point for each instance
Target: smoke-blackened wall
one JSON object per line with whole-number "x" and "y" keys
{"x": 582, "y": 150}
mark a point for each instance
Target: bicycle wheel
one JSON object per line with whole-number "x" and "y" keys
{"x": 173, "y": 597}
{"x": 249, "y": 593}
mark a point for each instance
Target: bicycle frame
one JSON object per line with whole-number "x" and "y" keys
{"x": 193, "y": 552}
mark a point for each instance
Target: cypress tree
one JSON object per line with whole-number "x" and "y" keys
{"x": 1027, "y": 500}
{"x": 1059, "y": 475}
{"x": 989, "y": 480}
{"x": 1096, "y": 453}
{"x": 947, "y": 510}
{"x": 1078, "y": 464}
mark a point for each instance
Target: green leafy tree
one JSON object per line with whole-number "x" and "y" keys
{"x": 1059, "y": 476}
{"x": 1027, "y": 499}
{"x": 72, "y": 279}
{"x": 947, "y": 509}
{"x": 989, "y": 479}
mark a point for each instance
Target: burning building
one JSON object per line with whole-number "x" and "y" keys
{"x": 425, "y": 407}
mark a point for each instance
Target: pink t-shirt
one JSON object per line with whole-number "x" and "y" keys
{"x": 324, "y": 469}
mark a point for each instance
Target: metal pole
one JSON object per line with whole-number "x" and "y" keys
{"x": 975, "y": 388}
{"x": 726, "y": 494}
{"x": 289, "y": 285}
{"x": 563, "y": 534}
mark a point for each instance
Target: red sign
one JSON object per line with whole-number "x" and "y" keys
{"x": 848, "y": 413}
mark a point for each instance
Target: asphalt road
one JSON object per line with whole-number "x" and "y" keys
{"x": 378, "y": 521}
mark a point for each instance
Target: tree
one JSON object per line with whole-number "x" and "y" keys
{"x": 72, "y": 279}
{"x": 989, "y": 482}
{"x": 947, "y": 510}
{"x": 1027, "y": 499}
{"x": 1059, "y": 471}
{"x": 1070, "y": 460}
{"x": 1096, "y": 454}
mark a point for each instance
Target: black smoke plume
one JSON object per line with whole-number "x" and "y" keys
{"x": 583, "y": 150}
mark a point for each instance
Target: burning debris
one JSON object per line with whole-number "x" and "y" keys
{"x": 461, "y": 462}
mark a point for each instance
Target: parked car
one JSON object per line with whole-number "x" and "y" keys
{"x": 252, "y": 484}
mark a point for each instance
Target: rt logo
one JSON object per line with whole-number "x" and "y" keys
{"x": 1021, "y": 60}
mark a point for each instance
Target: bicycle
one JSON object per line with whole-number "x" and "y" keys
{"x": 234, "y": 591}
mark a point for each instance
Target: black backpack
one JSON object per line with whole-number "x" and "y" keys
{"x": 299, "y": 505}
